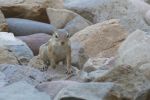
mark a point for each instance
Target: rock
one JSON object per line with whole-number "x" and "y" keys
{"x": 29, "y": 9}
{"x": 52, "y": 88}
{"x": 69, "y": 20}
{"x": 78, "y": 55}
{"x": 100, "y": 37}
{"x": 22, "y": 91}
{"x": 86, "y": 91}
{"x": 22, "y": 27}
{"x": 3, "y": 24}
{"x": 96, "y": 63}
{"x": 130, "y": 79}
{"x": 145, "y": 68}
{"x": 13, "y": 51}
{"x": 135, "y": 49}
{"x": 3, "y": 82}
{"x": 35, "y": 41}
{"x": 147, "y": 17}
{"x": 15, "y": 73}
{"x": 101, "y": 10}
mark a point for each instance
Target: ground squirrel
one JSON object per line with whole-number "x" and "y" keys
{"x": 57, "y": 49}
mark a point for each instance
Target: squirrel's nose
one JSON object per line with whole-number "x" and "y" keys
{"x": 62, "y": 43}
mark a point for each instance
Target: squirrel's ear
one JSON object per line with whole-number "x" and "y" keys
{"x": 68, "y": 35}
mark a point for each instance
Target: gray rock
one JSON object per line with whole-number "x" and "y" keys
{"x": 22, "y": 91}
{"x": 52, "y": 88}
{"x": 135, "y": 49}
{"x": 3, "y": 82}
{"x": 16, "y": 73}
{"x": 101, "y": 10}
{"x": 13, "y": 51}
{"x": 22, "y": 27}
{"x": 85, "y": 91}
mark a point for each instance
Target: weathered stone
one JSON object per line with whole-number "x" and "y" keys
{"x": 3, "y": 24}
{"x": 16, "y": 73}
{"x": 29, "y": 9}
{"x": 145, "y": 68}
{"x": 130, "y": 79}
{"x": 69, "y": 20}
{"x": 96, "y": 63}
{"x": 35, "y": 41}
{"x": 100, "y": 37}
{"x": 22, "y": 91}
{"x": 13, "y": 51}
{"x": 101, "y": 10}
{"x": 85, "y": 91}
{"x": 23, "y": 27}
{"x": 52, "y": 88}
{"x": 135, "y": 49}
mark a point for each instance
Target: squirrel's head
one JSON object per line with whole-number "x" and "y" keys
{"x": 61, "y": 36}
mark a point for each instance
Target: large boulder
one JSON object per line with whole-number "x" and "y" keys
{"x": 69, "y": 20}
{"x": 22, "y": 91}
{"x": 35, "y": 41}
{"x": 101, "y": 10}
{"x": 86, "y": 91}
{"x": 23, "y": 27}
{"x": 29, "y": 9}
{"x": 52, "y": 88}
{"x": 131, "y": 80}
{"x": 135, "y": 49}
{"x": 15, "y": 73}
{"x": 3, "y": 24}
{"x": 13, "y": 51}
{"x": 101, "y": 37}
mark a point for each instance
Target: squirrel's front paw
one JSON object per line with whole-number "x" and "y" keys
{"x": 69, "y": 71}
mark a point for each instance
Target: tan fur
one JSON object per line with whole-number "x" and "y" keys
{"x": 53, "y": 51}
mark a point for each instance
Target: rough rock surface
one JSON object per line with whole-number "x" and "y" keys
{"x": 69, "y": 20}
{"x": 135, "y": 49}
{"x": 130, "y": 79}
{"x": 22, "y": 91}
{"x": 101, "y": 10}
{"x": 13, "y": 51}
{"x": 29, "y": 9}
{"x": 3, "y": 24}
{"x": 15, "y": 73}
{"x": 85, "y": 91}
{"x": 100, "y": 37}
{"x": 52, "y": 88}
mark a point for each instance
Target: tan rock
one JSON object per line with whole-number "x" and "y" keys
{"x": 30, "y": 9}
{"x": 3, "y": 24}
{"x": 67, "y": 19}
{"x": 6, "y": 57}
{"x": 145, "y": 68}
{"x": 101, "y": 37}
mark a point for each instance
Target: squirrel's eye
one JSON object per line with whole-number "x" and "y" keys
{"x": 56, "y": 36}
{"x": 68, "y": 36}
